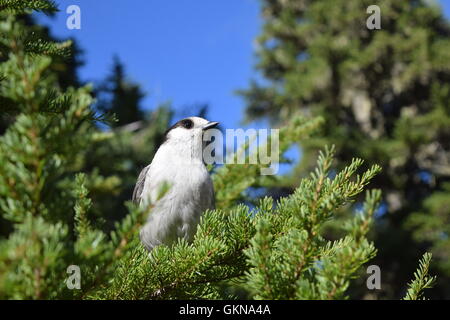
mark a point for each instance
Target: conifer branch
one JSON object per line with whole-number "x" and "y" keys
{"x": 422, "y": 280}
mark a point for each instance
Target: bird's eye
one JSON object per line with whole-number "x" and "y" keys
{"x": 188, "y": 124}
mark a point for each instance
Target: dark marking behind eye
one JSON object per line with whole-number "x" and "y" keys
{"x": 185, "y": 123}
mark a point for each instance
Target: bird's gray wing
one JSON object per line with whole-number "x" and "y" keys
{"x": 139, "y": 187}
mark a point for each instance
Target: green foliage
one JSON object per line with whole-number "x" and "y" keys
{"x": 275, "y": 250}
{"x": 297, "y": 262}
{"x": 20, "y": 6}
{"x": 248, "y": 175}
{"x": 421, "y": 280}
{"x": 116, "y": 92}
{"x": 432, "y": 224}
{"x": 383, "y": 95}
{"x": 30, "y": 261}
{"x": 82, "y": 206}
{"x": 52, "y": 217}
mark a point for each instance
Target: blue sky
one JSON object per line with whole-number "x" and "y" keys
{"x": 184, "y": 51}
{"x": 187, "y": 52}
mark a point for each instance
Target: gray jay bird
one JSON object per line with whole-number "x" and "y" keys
{"x": 178, "y": 164}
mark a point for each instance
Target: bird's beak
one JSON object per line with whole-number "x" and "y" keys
{"x": 209, "y": 125}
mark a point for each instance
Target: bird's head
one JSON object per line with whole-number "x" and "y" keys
{"x": 187, "y": 134}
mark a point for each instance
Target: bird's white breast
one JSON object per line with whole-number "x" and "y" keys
{"x": 177, "y": 213}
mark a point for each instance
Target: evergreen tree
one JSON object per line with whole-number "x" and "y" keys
{"x": 48, "y": 198}
{"x": 37, "y": 154}
{"x": 119, "y": 96}
{"x": 384, "y": 96}
{"x": 64, "y": 67}
{"x": 43, "y": 202}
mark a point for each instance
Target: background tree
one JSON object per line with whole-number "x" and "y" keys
{"x": 384, "y": 96}
{"x": 50, "y": 136}
{"x": 64, "y": 67}
{"x": 119, "y": 96}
